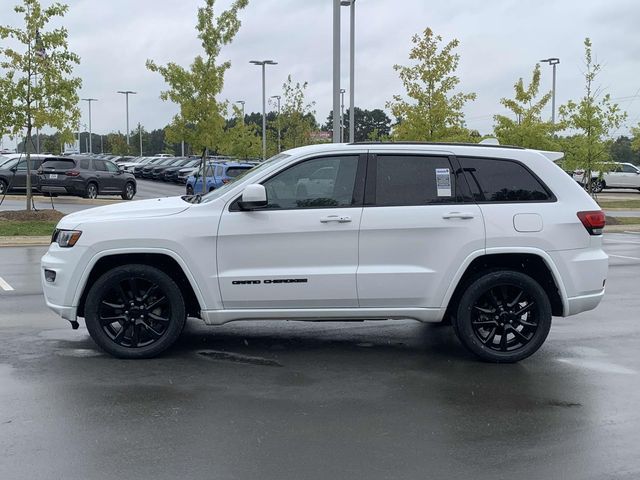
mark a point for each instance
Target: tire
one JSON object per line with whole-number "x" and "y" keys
{"x": 135, "y": 311}
{"x": 91, "y": 191}
{"x": 189, "y": 190}
{"x": 597, "y": 185}
{"x": 129, "y": 191}
{"x": 500, "y": 302}
{"x": 3, "y": 187}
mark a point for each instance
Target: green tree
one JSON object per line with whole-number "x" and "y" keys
{"x": 116, "y": 143}
{"x": 369, "y": 124}
{"x": 621, "y": 151}
{"x": 592, "y": 119}
{"x": 525, "y": 126}
{"x": 242, "y": 140}
{"x": 433, "y": 112}
{"x": 635, "y": 139}
{"x": 200, "y": 120}
{"x": 297, "y": 119}
{"x": 52, "y": 100}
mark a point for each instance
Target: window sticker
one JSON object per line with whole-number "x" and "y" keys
{"x": 443, "y": 182}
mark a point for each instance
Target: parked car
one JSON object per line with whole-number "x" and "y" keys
{"x": 217, "y": 175}
{"x": 137, "y": 168}
{"x": 147, "y": 170}
{"x": 158, "y": 171}
{"x": 622, "y": 175}
{"x": 13, "y": 173}
{"x": 131, "y": 164}
{"x": 185, "y": 173}
{"x": 86, "y": 177}
{"x": 171, "y": 173}
{"x": 493, "y": 239}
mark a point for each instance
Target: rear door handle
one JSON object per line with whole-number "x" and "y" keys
{"x": 461, "y": 215}
{"x": 335, "y": 218}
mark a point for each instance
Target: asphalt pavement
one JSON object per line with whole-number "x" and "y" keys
{"x": 289, "y": 400}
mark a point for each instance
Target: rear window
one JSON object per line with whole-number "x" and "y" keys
{"x": 498, "y": 180}
{"x": 235, "y": 171}
{"x": 58, "y": 164}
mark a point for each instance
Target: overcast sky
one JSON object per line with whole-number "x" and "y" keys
{"x": 500, "y": 40}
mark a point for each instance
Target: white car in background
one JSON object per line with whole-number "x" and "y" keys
{"x": 622, "y": 175}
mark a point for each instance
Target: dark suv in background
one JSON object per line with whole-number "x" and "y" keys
{"x": 87, "y": 177}
{"x": 13, "y": 173}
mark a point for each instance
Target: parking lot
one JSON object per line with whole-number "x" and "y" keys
{"x": 393, "y": 399}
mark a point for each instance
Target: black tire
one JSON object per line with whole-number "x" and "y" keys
{"x": 3, "y": 187}
{"x": 91, "y": 191}
{"x": 140, "y": 325}
{"x": 129, "y": 191}
{"x": 597, "y": 185}
{"x": 504, "y": 306}
{"x": 189, "y": 190}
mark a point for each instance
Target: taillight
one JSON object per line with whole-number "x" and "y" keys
{"x": 72, "y": 173}
{"x": 593, "y": 221}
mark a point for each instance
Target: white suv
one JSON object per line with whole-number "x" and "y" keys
{"x": 622, "y": 175}
{"x": 493, "y": 239}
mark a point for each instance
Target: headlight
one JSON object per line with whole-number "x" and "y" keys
{"x": 65, "y": 238}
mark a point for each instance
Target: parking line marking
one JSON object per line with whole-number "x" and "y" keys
{"x": 622, "y": 256}
{"x": 4, "y": 285}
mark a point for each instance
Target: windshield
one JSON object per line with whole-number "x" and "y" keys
{"x": 246, "y": 175}
{"x": 11, "y": 163}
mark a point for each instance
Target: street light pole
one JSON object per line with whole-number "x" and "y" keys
{"x": 277, "y": 97}
{"x": 126, "y": 93}
{"x": 264, "y": 63}
{"x": 336, "y": 70}
{"x": 89, "y": 100}
{"x": 342, "y": 91}
{"x": 352, "y": 55}
{"x": 553, "y": 62}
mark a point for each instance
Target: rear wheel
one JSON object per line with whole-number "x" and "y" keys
{"x": 91, "y": 190}
{"x": 503, "y": 316}
{"x": 135, "y": 311}
{"x": 597, "y": 185}
{"x": 3, "y": 187}
{"x": 129, "y": 191}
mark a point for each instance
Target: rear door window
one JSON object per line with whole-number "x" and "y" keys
{"x": 84, "y": 164}
{"x": 235, "y": 171}
{"x": 502, "y": 180}
{"x": 99, "y": 165}
{"x": 111, "y": 167}
{"x": 403, "y": 180}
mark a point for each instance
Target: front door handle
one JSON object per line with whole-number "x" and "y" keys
{"x": 335, "y": 218}
{"x": 461, "y": 215}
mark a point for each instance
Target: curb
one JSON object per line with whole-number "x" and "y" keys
{"x": 71, "y": 200}
{"x": 24, "y": 241}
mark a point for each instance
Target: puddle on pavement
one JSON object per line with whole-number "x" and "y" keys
{"x": 597, "y": 365}
{"x": 79, "y": 353}
{"x": 237, "y": 358}
{"x": 65, "y": 334}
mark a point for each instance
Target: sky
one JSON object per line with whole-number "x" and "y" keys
{"x": 500, "y": 41}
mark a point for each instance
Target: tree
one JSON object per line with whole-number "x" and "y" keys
{"x": 200, "y": 120}
{"x": 369, "y": 124}
{"x": 242, "y": 140}
{"x": 621, "y": 151}
{"x": 434, "y": 112}
{"x": 297, "y": 119}
{"x": 51, "y": 101}
{"x": 116, "y": 143}
{"x": 635, "y": 140}
{"x": 526, "y": 127}
{"x": 593, "y": 118}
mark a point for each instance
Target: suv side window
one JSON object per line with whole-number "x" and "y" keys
{"x": 500, "y": 180}
{"x": 403, "y": 180}
{"x": 84, "y": 164}
{"x": 296, "y": 187}
{"x": 111, "y": 167}
{"x": 628, "y": 169}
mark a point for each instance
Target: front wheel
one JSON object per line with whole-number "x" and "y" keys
{"x": 597, "y": 185}
{"x": 135, "y": 311}
{"x": 3, "y": 187}
{"x": 503, "y": 316}
{"x": 129, "y": 191}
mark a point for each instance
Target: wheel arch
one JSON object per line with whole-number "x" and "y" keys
{"x": 533, "y": 263}
{"x": 164, "y": 260}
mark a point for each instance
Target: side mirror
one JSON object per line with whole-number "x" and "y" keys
{"x": 254, "y": 196}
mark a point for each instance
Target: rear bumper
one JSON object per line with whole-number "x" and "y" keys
{"x": 584, "y": 303}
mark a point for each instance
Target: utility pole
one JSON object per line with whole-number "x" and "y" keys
{"x": 126, "y": 93}
{"x": 140, "y": 135}
{"x": 553, "y": 62}
{"x": 352, "y": 56}
{"x": 89, "y": 100}
{"x": 336, "y": 70}
{"x": 342, "y": 91}
{"x": 278, "y": 97}
{"x": 264, "y": 63}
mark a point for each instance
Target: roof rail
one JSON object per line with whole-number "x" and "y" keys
{"x": 464, "y": 144}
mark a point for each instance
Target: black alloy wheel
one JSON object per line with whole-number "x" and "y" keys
{"x": 3, "y": 187}
{"x": 129, "y": 191}
{"x": 92, "y": 191}
{"x": 135, "y": 311}
{"x": 503, "y": 316}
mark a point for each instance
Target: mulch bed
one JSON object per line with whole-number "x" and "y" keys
{"x": 31, "y": 216}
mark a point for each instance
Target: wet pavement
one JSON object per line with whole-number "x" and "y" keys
{"x": 287, "y": 400}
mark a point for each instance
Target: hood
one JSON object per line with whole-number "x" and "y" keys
{"x": 157, "y": 207}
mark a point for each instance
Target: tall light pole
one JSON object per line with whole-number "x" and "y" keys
{"x": 553, "y": 62}
{"x": 278, "y": 97}
{"x": 241, "y": 102}
{"x": 126, "y": 93}
{"x": 352, "y": 55}
{"x": 336, "y": 70}
{"x": 89, "y": 100}
{"x": 264, "y": 63}
{"x": 342, "y": 91}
